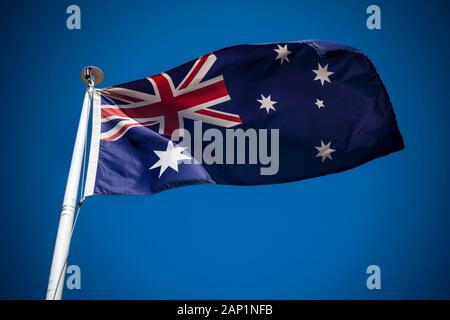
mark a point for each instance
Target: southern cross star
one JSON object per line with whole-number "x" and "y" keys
{"x": 325, "y": 151}
{"x": 283, "y": 53}
{"x": 322, "y": 74}
{"x": 319, "y": 104}
{"x": 169, "y": 158}
{"x": 267, "y": 103}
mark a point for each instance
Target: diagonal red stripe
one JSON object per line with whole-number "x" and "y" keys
{"x": 121, "y": 96}
{"x": 194, "y": 72}
{"x": 128, "y": 126}
{"x": 212, "y": 113}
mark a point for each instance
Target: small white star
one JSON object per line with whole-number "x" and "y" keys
{"x": 169, "y": 158}
{"x": 283, "y": 53}
{"x": 267, "y": 103}
{"x": 325, "y": 151}
{"x": 319, "y": 104}
{"x": 322, "y": 74}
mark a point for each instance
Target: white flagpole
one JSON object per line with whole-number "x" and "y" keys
{"x": 90, "y": 75}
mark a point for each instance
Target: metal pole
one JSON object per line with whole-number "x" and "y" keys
{"x": 90, "y": 75}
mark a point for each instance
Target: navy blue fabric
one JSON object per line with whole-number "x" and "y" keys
{"x": 358, "y": 119}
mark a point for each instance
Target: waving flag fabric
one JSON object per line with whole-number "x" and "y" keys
{"x": 243, "y": 115}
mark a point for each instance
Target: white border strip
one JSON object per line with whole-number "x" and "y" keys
{"x": 95, "y": 145}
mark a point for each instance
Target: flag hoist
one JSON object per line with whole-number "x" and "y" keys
{"x": 91, "y": 76}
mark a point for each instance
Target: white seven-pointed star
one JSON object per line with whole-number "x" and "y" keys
{"x": 283, "y": 53}
{"x": 169, "y": 158}
{"x": 267, "y": 103}
{"x": 324, "y": 151}
{"x": 319, "y": 104}
{"x": 322, "y": 74}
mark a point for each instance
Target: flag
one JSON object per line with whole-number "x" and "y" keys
{"x": 242, "y": 115}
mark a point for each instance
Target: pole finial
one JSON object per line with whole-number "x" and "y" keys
{"x": 92, "y": 75}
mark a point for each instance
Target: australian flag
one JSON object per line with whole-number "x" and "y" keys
{"x": 242, "y": 115}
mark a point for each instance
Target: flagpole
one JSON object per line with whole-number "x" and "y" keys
{"x": 91, "y": 76}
